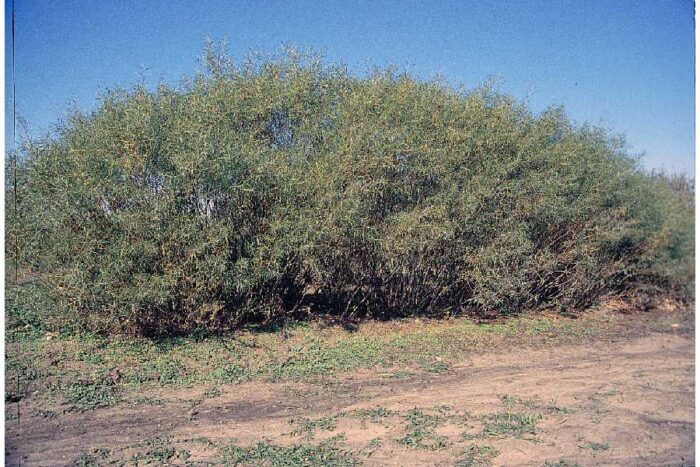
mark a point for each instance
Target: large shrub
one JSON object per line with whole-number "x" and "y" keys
{"x": 254, "y": 189}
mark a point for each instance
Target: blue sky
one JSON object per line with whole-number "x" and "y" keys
{"x": 628, "y": 65}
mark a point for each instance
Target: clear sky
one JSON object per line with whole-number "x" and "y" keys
{"x": 625, "y": 64}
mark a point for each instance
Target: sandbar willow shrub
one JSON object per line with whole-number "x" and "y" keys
{"x": 254, "y": 188}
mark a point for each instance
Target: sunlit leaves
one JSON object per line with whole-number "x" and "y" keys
{"x": 280, "y": 182}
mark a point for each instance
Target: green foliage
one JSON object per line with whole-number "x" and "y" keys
{"x": 96, "y": 458}
{"x": 317, "y": 354}
{"x": 476, "y": 455}
{"x": 156, "y": 451}
{"x": 420, "y": 431}
{"x": 374, "y": 414}
{"x": 326, "y": 453}
{"x": 253, "y": 191}
{"x": 510, "y": 424}
{"x": 307, "y": 426}
{"x": 597, "y": 446}
{"x": 90, "y": 395}
{"x": 560, "y": 463}
{"x": 28, "y": 310}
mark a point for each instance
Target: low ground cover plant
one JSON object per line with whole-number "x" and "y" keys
{"x": 258, "y": 190}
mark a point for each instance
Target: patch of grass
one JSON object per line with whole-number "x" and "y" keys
{"x": 434, "y": 366}
{"x": 310, "y": 352}
{"x": 93, "y": 459}
{"x": 560, "y": 463}
{"x": 212, "y": 392}
{"x": 373, "y": 414}
{"x": 540, "y": 326}
{"x": 326, "y": 453}
{"x": 90, "y": 356}
{"x": 598, "y": 406}
{"x": 320, "y": 359}
{"x": 554, "y": 408}
{"x": 372, "y": 445}
{"x": 45, "y": 413}
{"x": 420, "y": 431}
{"x": 600, "y": 395}
{"x": 22, "y": 370}
{"x": 596, "y": 446}
{"x": 307, "y": 426}
{"x": 230, "y": 373}
{"x": 508, "y": 401}
{"x": 533, "y": 403}
{"x": 158, "y": 451}
{"x": 88, "y": 395}
{"x": 475, "y": 456}
{"x": 183, "y": 455}
{"x": 506, "y": 424}
{"x": 148, "y": 401}
{"x": 154, "y": 451}
{"x": 165, "y": 372}
{"x": 203, "y": 440}
{"x": 159, "y": 455}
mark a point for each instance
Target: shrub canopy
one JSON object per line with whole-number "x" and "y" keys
{"x": 255, "y": 189}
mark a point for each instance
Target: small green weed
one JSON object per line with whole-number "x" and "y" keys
{"x": 420, "y": 432}
{"x": 90, "y": 356}
{"x": 596, "y": 446}
{"x": 326, "y": 454}
{"x": 560, "y": 463}
{"x": 511, "y": 424}
{"x": 374, "y": 415}
{"x": 508, "y": 401}
{"x": 307, "y": 426}
{"x": 94, "y": 459}
{"x": 212, "y": 392}
{"x": 476, "y": 455}
{"x": 160, "y": 455}
{"x": 90, "y": 395}
{"x": 157, "y": 451}
{"x": 434, "y": 366}
{"x": 165, "y": 372}
{"x": 148, "y": 401}
{"x": 401, "y": 374}
{"x": 560, "y": 409}
{"x": 231, "y": 373}
{"x": 372, "y": 445}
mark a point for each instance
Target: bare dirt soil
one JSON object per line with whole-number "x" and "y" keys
{"x": 613, "y": 400}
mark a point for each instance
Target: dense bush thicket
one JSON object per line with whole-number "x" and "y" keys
{"x": 255, "y": 189}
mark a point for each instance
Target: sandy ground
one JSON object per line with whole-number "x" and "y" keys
{"x": 627, "y": 401}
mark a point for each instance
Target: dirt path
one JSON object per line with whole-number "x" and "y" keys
{"x": 605, "y": 403}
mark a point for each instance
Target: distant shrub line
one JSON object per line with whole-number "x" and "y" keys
{"x": 253, "y": 191}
